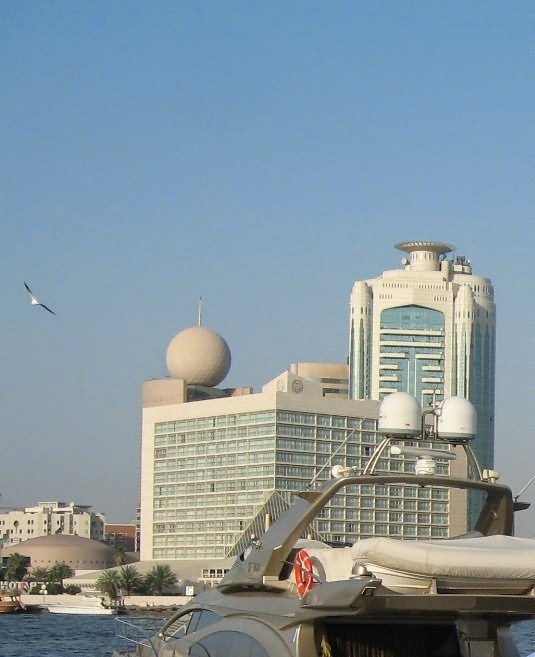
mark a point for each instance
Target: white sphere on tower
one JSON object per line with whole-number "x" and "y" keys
{"x": 198, "y": 355}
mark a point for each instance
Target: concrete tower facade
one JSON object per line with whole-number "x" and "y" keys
{"x": 428, "y": 329}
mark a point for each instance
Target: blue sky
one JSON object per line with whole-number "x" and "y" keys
{"x": 264, "y": 156}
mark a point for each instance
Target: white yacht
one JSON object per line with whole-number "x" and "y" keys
{"x": 289, "y": 596}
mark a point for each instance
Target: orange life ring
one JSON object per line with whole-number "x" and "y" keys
{"x": 304, "y": 575}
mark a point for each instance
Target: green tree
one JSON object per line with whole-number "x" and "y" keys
{"x": 109, "y": 583}
{"x": 39, "y": 575}
{"x": 54, "y": 588}
{"x": 119, "y": 556}
{"x": 71, "y": 589}
{"x": 59, "y": 572}
{"x": 16, "y": 567}
{"x": 130, "y": 580}
{"x": 160, "y": 579}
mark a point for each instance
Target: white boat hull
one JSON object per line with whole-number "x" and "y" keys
{"x": 74, "y": 609}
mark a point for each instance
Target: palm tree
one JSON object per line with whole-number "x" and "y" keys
{"x": 39, "y": 574}
{"x": 119, "y": 555}
{"x": 159, "y": 579}
{"x": 59, "y": 572}
{"x": 109, "y": 583}
{"x": 16, "y": 567}
{"x": 129, "y": 580}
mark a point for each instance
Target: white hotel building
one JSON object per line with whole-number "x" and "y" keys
{"x": 216, "y": 463}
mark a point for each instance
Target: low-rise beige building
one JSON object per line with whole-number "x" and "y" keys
{"x": 47, "y": 518}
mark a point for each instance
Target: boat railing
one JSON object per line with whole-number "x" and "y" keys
{"x": 174, "y": 627}
{"x": 129, "y": 636}
{"x": 271, "y": 552}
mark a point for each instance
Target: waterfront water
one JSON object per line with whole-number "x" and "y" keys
{"x": 55, "y": 635}
{"x": 51, "y": 635}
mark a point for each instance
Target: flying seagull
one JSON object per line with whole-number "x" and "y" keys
{"x": 35, "y": 301}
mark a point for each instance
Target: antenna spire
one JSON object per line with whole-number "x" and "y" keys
{"x": 199, "y": 312}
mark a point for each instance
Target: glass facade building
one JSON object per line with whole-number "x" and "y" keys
{"x": 216, "y": 477}
{"x": 411, "y": 348}
{"x": 429, "y": 330}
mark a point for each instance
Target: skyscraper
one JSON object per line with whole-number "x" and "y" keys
{"x": 428, "y": 329}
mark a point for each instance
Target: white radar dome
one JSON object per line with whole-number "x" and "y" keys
{"x": 198, "y": 355}
{"x": 457, "y": 419}
{"x": 400, "y": 415}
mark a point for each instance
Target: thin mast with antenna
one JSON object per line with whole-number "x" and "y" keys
{"x": 199, "y": 312}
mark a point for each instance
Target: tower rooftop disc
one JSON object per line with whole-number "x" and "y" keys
{"x": 434, "y": 247}
{"x": 425, "y": 256}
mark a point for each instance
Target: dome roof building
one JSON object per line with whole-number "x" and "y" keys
{"x": 81, "y": 554}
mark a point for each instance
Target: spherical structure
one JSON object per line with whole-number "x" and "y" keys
{"x": 77, "y": 552}
{"x": 457, "y": 420}
{"x": 400, "y": 415}
{"x": 198, "y": 355}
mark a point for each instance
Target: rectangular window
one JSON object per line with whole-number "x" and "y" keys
{"x": 439, "y": 519}
{"x": 439, "y": 532}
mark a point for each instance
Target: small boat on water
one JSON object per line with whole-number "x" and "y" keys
{"x": 10, "y": 602}
{"x": 85, "y": 605}
{"x": 89, "y": 610}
